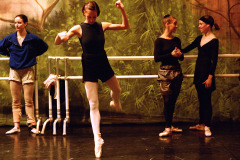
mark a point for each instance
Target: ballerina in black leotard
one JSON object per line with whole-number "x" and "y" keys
{"x": 95, "y": 63}
{"x": 206, "y": 63}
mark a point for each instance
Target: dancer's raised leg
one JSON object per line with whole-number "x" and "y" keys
{"x": 115, "y": 93}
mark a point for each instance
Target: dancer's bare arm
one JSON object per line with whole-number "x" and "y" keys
{"x": 64, "y": 36}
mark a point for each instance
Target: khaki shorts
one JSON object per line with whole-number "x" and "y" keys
{"x": 23, "y": 76}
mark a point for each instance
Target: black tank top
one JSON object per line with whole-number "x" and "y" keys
{"x": 92, "y": 39}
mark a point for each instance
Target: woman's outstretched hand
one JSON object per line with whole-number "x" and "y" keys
{"x": 119, "y": 4}
{"x": 176, "y": 52}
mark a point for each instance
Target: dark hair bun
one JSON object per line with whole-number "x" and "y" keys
{"x": 166, "y": 16}
{"x": 216, "y": 26}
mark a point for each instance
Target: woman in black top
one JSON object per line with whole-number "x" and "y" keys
{"x": 167, "y": 50}
{"x": 95, "y": 63}
{"x": 206, "y": 63}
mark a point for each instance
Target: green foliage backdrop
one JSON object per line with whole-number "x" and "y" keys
{"x": 140, "y": 97}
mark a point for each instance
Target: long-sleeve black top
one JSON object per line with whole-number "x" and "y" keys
{"x": 207, "y": 59}
{"x": 163, "y": 49}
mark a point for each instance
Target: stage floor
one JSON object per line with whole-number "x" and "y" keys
{"x": 123, "y": 142}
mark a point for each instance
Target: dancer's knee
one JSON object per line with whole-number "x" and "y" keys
{"x": 16, "y": 103}
{"x": 94, "y": 104}
{"x": 28, "y": 102}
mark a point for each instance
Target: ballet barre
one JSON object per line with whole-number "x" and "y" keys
{"x": 66, "y": 78}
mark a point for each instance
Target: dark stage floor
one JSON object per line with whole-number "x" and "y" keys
{"x": 123, "y": 142}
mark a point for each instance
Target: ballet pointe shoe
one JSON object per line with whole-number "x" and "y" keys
{"x": 176, "y": 130}
{"x": 13, "y": 131}
{"x": 207, "y": 133}
{"x": 98, "y": 147}
{"x": 167, "y": 132}
{"x": 32, "y": 128}
{"x": 198, "y": 127}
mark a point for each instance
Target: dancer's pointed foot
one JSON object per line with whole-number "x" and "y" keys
{"x": 117, "y": 107}
{"x": 98, "y": 147}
